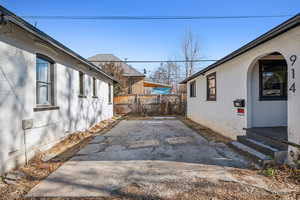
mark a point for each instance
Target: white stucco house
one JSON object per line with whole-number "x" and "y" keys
{"x": 253, "y": 94}
{"x": 47, "y": 91}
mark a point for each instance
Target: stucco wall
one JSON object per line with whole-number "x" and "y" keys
{"x": 233, "y": 82}
{"x": 17, "y": 98}
{"x": 219, "y": 115}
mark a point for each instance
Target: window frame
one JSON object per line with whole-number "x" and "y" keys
{"x": 208, "y": 95}
{"x": 82, "y": 85}
{"x": 193, "y": 89}
{"x": 51, "y": 74}
{"x": 95, "y": 93}
{"x": 272, "y": 98}
{"x": 109, "y": 93}
{"x": 130, "y": 83}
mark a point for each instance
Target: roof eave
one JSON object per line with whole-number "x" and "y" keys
{"x": 33, "y": 30}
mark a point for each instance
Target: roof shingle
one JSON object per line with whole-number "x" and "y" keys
{"x": 128, "y": 70}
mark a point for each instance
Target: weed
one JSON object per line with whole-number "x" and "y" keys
{"x": 269, "y": 171}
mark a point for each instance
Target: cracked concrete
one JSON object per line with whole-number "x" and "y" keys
{"x": 143, "y": 152}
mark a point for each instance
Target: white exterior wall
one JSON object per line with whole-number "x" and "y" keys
{"x": 233, "y": 82}
{"x": 17, "y": 98}
{"x": 219, "y": 115}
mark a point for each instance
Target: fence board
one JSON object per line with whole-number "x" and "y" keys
{"x": 150, "y": 104}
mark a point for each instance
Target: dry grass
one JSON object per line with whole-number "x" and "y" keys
{"x": 37, "y": 170}
{"x": 282, "y": 174}
{"x": 201, "y": 190}
{"x": 231, "y": 191}
{"x": 207, "y": 133}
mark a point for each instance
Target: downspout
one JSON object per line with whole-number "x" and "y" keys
{"x": 25, "y": 147}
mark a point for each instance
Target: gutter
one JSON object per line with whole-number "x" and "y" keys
{"x": 280, "y": 29}
{"x": 43, "y": 36}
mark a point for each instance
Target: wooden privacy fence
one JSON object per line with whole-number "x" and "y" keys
{"x": 150, "y": 104}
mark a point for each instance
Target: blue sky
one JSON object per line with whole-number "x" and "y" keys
{"x": 154, "y": 40}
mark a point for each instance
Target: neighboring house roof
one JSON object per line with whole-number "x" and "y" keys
{"x": 128, "y": 70}
{"x": 46, "y": 38}
{"x": 156, "y": 85}
{"x": 280, "y": 29}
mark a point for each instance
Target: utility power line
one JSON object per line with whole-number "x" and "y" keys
{"x": 152, "y": 61}
{"x": 60, "y": 17}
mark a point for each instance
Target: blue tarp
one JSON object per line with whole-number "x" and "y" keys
{"x": 160, "y": 90}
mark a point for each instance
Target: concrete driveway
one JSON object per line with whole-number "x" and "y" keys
{"x": 145, "y": 154}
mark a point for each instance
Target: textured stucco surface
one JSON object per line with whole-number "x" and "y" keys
{"x": 18, "y": 51}
{"x": 234, "y": 81}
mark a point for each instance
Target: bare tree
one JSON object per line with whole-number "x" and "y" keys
{"x": 174, "y": 75}
{"x": 170, "y": 72}
{"x": 115, "y": 70}
{"x": 190, "y": 50}
{"x": 160, "y": 75}
{"x": 167, "y": 73}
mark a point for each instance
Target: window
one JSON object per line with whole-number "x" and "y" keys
{"x": 211, "y": 87}
{"x": 81, "y": 85}
{"x": 272, "y": 80}
{"x": 109, "y": 93}
{"x": 130, "y": 83}
{"x": 95, "y": 95}
{"x": 193, "y": 89}
{"x": 44, "y": 81}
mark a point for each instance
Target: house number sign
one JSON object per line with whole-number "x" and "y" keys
{"x": 293, "y": 59}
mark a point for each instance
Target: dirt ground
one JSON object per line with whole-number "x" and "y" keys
{"x": 201, "y": 175}
{"x": 202, "y": 190}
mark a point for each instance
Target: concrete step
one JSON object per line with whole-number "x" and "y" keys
{"x": 263, "y": 148}
{"x": 267, "y": 141}
{"x": 259, "y": 157}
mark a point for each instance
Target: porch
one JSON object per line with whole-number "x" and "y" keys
{"x": 275, "y": 133}
{"x": 266, "y": 136}
{"x": 264, "y": 144}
